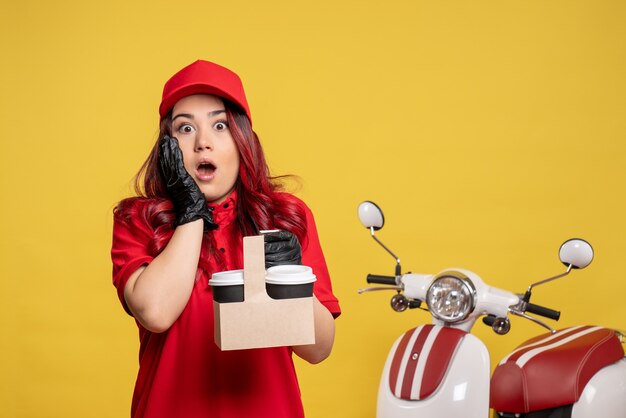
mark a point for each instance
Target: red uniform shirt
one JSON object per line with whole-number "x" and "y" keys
{"x": 182, "y": 373}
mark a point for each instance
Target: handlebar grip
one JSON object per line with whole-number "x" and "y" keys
{"x": 540, "y": 310}
{"x": 375, "y": 278}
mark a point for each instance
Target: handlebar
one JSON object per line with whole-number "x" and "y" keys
{"x": 542, "y": 311}
{"x": 378, "y": 279}
{"x": 501, "y": 297}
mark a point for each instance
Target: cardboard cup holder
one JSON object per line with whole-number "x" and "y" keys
{"x": 259, "y": 320}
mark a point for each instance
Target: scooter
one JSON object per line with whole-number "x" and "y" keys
{"x": 441, "y": 370}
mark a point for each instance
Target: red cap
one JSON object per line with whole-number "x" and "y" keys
{"x": 203, "y": 77}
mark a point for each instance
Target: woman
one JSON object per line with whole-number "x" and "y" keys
{"x": 203, "y": 188}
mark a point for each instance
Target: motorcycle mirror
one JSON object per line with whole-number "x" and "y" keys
{"x": 371, "y": 216}
{"x": 577, "y": 253}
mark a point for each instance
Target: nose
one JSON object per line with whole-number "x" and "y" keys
{"x": 203, "y": 140}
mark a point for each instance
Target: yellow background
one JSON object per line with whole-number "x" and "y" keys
{"x": 489, "y": 132}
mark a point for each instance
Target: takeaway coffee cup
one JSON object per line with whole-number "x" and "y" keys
{"x": 289, "y": 281}
{"x": 227, "y": 286}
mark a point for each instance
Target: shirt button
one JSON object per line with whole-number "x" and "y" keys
{"x": 223, "y": 250}
{"x": 225, "y": 205}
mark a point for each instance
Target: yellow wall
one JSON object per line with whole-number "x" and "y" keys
{"x": 489, "y": 131}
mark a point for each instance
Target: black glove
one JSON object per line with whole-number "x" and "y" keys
{"x": 189, "y": 202}
{"x": 282, "y": 247}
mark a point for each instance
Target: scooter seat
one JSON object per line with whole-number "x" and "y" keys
{"x": 552, "y": 370}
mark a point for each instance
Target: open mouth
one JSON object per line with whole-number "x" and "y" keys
{"x": 206, "y": 170}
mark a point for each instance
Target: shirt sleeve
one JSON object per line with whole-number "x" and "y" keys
{"x": 129, "y": 250}
{"x": 313, "y": 256}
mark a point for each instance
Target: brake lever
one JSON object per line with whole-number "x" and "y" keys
{"x": 533, "y": 319}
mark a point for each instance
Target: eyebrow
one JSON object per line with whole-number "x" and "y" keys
{"x": 190, "y": 116}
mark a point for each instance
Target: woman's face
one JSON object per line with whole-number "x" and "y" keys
{"x": 209, "y": 152}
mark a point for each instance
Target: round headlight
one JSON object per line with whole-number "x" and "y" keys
{"x": 450, "y": 297}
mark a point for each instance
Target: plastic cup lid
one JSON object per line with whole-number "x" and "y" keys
{"x": 290, "y": 275}
{"x": 227, "y": 278}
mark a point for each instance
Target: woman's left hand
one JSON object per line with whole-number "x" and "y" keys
{"x": 282, "y": 247}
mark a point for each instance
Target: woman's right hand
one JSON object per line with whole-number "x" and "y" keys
{"x": 187, "y": 197}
